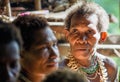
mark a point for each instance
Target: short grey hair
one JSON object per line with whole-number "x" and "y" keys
{"x": 88, "y": 8}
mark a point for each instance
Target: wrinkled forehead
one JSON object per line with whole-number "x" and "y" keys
{"x": 85, "y": 20}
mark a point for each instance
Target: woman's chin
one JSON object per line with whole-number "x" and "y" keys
{"x": 81, "y": 54}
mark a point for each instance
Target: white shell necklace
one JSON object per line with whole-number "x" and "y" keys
{"x": 74, "y": 65}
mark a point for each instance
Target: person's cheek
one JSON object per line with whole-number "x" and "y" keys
{"x": 72, "y": 40}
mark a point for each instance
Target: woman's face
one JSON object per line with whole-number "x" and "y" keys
{"x": 83, "y": 36}
{"x": 9, "y": 62}
{"x": 43, "y": 56}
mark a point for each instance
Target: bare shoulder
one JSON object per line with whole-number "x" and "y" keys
{"x": 111, "y": 67}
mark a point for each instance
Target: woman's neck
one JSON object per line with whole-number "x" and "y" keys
{"x": 36, "y": 78}
{"x": 33, "y": 77}
{"x": 84, "y": 63}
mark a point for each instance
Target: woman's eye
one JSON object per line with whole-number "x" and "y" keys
{"x": 13, "y": 64}
{"x": 73, "y": 31}
{"x": 55, "y": 44}
{"x": 43, "y": 47}
{"x": 90, "y": 32}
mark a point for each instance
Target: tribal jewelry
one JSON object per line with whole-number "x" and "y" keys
{"x": 73, "y": 64}
{"x": 92, "y": 69}
{"x": 104, "y": 75}
{"x": 98, "y": 69}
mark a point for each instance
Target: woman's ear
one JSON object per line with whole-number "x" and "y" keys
{"x": 66, "y": 32}
{"x": 103, "y": 37}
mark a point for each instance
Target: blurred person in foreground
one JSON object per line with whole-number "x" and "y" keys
{"x": 86, "y": 26}
{"x": 10, "y": 47}
{"x": 65, "y": 76}
{"x": 40, "y": 55}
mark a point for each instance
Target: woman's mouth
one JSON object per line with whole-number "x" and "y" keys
{"x": 52, "y": 64}
{"x": 81, "y": 49}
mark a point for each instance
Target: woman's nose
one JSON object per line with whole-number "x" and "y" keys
{"x": 54, "y": 53}
{"x": 82, "y": 40}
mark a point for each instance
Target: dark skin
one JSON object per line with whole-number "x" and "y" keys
{"x": 9, "y": 62}
{"x": 43, "y": 56}
{"x": 83, "y": 37}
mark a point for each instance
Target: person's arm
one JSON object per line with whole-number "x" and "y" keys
{"x": 112, "y": 70}
{"x": 117, "y": 77}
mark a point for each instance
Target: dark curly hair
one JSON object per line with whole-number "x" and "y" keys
{"x": 8, "y": 33}
{"x": 28, "y": 25}
{"x": 85, "y": 9}
{"x": 65, "y": 76}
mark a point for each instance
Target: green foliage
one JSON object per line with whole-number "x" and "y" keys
{"x": 117, "y": 60}
{"x": 112, "y": 7}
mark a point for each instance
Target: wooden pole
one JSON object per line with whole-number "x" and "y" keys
{"x": 37, "y": 4}
{"x": 8, "y": 9}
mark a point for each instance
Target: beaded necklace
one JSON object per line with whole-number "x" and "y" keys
{"x": 104, "y": 76}
{"x": 92, "y": 68}
{"x": 98, "y": 69}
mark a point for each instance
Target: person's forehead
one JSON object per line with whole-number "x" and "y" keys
{"x": 44, "y": 36}
{"x": 79, "y": 20}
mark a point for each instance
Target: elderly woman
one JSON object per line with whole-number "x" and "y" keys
{"x": 86, "y": 26}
